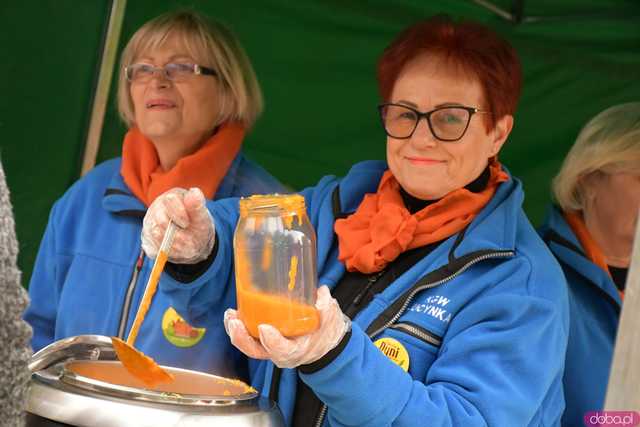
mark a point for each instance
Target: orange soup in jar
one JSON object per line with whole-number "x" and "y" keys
{"x": 275, "y": 265}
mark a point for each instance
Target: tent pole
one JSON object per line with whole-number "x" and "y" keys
{"x": 495, "y": 9}
{"x": 517, "y": 15}
{"x": 623, "y": 392}
{"x": 101, "y": 94}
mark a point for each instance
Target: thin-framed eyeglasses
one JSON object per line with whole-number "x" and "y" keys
{"x": 447, "y": 123}
{"x": 143, "y": 73}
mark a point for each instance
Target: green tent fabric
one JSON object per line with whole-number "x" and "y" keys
{"x": 316, "y": 63}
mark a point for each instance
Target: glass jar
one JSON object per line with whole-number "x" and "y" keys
{"x": 275, "y": 265}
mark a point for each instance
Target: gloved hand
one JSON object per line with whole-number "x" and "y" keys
{"x": 195, "y": 236}
{"x": 289, "y": 353}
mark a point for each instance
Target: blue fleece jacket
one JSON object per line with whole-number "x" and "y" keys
{"x": 90, "y": 257}
{"x": 594, "y": 304}
{"x": 483, "y": 319}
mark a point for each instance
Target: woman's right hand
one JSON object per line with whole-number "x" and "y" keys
{"x": 195, "y": 236}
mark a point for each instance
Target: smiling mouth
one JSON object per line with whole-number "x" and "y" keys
{"x": 423, "y": 161}
{"x": 160, "y": 105}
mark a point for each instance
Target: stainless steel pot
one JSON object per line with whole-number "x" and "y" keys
{"x": 79, "y": 382}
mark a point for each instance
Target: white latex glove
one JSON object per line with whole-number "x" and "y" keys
{"x": 195, "y": 235}
{"x": 289, "y": 353}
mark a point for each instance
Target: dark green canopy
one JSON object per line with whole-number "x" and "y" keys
{"x": 316, "y": 63}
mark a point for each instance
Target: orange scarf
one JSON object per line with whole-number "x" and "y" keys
{"x": 591, "y": 248}
{"x": 204, "y": 169}
{"x": 382, "y": 227}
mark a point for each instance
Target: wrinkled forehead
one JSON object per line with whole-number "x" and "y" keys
{"x": 177, "y": 40}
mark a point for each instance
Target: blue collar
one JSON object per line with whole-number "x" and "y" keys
{"x": 567, "y": 248}
{"x": 495, "y": 227}
{"x": 119, "y": 199}
{"x": 228, "y": 184}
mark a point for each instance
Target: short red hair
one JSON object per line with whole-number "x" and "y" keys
{"x": 468, "y": 46}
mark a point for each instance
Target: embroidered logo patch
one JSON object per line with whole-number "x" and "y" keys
{"x": 395, "y": 351}
{"x": 178, "y": 332}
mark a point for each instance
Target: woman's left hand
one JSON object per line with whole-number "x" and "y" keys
{"x": 292, "y": 352}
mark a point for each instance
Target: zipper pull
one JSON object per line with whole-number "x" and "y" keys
{"x": 371, "y": 280}
{"x": 140, "y": 260}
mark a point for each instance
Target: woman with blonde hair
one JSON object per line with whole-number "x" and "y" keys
{"x": 188, "y": 94}
{"x": 590, "y": 232}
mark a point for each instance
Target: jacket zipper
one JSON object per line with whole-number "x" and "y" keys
{"x": 467, "y": 265}
{"x": 323, "y": 412}
{"x": 371, "y": 280}
{"x": 124, "y": 317}
{"x": 418, "y": 332}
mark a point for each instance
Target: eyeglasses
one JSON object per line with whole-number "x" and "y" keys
{"x": 143, "y": 73}
{"x": 446, "y": 123}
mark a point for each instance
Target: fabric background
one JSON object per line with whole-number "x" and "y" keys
{"x": 316, "y": 63}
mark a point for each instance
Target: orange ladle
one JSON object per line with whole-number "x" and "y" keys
{"x": 137, "y": 363}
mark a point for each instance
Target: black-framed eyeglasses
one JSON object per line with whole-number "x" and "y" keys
{"x": 143, "y": 73}
{"x": 447, "y": 123}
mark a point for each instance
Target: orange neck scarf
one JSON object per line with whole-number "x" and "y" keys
{"x": 382, "y": 227}
{"x": 204, "y": 169}
{"x": 591, "y": 248}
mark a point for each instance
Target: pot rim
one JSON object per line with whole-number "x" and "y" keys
{"x": 69, "y": 377}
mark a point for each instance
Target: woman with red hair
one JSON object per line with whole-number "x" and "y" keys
{"x": 442, "y": 306}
